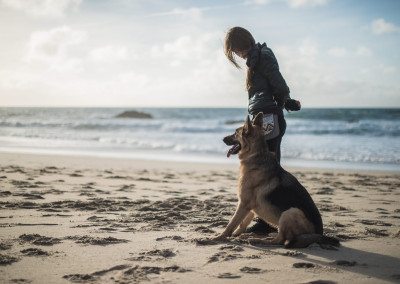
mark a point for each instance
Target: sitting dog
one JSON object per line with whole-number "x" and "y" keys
{"x": 271, "y": 193}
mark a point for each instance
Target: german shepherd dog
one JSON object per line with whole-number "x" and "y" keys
{"x": 271, "y": 193}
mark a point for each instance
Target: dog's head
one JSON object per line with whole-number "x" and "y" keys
{"x": 246, "y": 135}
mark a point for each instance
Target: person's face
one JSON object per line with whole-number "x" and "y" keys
{"x": 242, "y": 54}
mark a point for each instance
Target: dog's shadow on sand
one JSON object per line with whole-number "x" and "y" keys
{"x": 349, "y": 259}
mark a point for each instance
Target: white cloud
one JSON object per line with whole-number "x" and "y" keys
{"x": 187, "y": 48}
{"x": 315, "y": 83}
{"x": 181, "y": 48}
{"x": 191, "y": 70}
{"x": 258, "y": 2}
{"x": 70, "y": 65}
{"x": 387, "y": 69}
{"x": 45, "y": 8}
{"x": 109, "y": 54}
{"x": 308, "y": 48}
{"x": 52, "y": 47}
{"x": 304, "y": 3}
{"x": 380, "y": 26}
{"x": 363, "y": 51}
{"x": 139, "y": 57}
{"x": 132, "y": 78}
{"x": 365, "y": 71}
{"x": 338, "y": 52}
{"x": 126, "y": 88}
{"x": 47, "y": 45}
{"x": 290, "y": 3}
{"x": 193, "y": 13}
{"x": 17, "y": 80}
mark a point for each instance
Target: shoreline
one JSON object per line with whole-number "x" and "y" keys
{"x": 288, "y": 164}
{"x": 106, "y": 220}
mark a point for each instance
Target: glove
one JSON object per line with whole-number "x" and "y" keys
{"x": 292, "y": 105}
{"x": 281, "y": 99}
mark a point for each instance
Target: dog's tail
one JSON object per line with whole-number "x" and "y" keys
{"x": 305, "y": 240}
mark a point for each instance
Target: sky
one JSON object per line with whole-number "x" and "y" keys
{"x": 169, "y": 53}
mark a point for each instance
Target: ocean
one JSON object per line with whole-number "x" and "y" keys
{"x": 357, "y": 139}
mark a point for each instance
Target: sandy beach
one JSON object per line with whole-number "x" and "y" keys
{"x": 96, "y": 220}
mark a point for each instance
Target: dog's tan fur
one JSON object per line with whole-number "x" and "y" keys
{"x": 257, "y": 179}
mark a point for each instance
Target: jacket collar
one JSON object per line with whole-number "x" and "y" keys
{"x": 254, "y": 55}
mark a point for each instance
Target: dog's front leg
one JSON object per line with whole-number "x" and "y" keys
{"x": 243, "y": 226}
{"x": 240, "y": 214}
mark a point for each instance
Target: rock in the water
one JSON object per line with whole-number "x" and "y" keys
{"x": 133, "y": 114}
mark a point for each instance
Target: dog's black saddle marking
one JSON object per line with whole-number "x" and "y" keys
{"x": 290, "y": 193}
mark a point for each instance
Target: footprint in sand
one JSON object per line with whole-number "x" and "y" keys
{"x": 293, "y": 253}
{"x": 303, "y": 265}
{"x": 345, "y": 263}
{"x": 332, "y": 208}
{"x": 373, "y": 222}
{"x": 7, "y": 259}
{"x": 376, "y": 233}
{"x": 325, "y": 191}
{"x": 166, "y": 253}
{"x": 129, "y": 274}
{"x": 39, "y": 240}
{"x": 149, "y": 255}
{"x": 174, "y": 238}
{"x": 87, "y": 240}
{"x": 228, "y": 275}
{"x": 250, "y": 270}
{"x": 231, "y": 248}
{"x": 223, "y": 256}
{"x": 80, "y": 278}
{"x": 321, "y": 282}
{"x": 34, "y": 252}
{"x": 205, "y": 230}
{"x": 5, "y": 245}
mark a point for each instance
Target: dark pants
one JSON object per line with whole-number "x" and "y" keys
{"x": 274, "y": 145}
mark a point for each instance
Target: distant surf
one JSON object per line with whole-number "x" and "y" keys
{"x": 330, "y": 138}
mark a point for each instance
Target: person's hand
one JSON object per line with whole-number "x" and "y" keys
{"x": 292, "y": 105}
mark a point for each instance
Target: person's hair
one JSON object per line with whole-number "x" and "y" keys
{"x": 239, "y": 39}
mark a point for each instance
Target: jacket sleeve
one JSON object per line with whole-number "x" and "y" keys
{"x": 269, "y": 67}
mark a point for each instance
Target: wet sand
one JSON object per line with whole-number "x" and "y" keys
{"x": 97, "y": 220}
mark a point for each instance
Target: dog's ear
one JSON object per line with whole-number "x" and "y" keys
{"x": 247, "y": 126}
{"x": 259, "y": 119}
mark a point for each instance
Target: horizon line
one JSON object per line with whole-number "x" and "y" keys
{"x": 210, "y": 107}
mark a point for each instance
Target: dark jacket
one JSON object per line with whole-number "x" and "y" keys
{"x": 268, "y": 92}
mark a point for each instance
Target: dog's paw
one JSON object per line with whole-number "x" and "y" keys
{"x": 219, "y": 238}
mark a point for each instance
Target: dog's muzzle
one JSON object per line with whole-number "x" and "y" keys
{"x": 235, "y": 146}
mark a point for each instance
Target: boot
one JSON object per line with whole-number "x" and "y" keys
{"x": 261, "y": 228}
